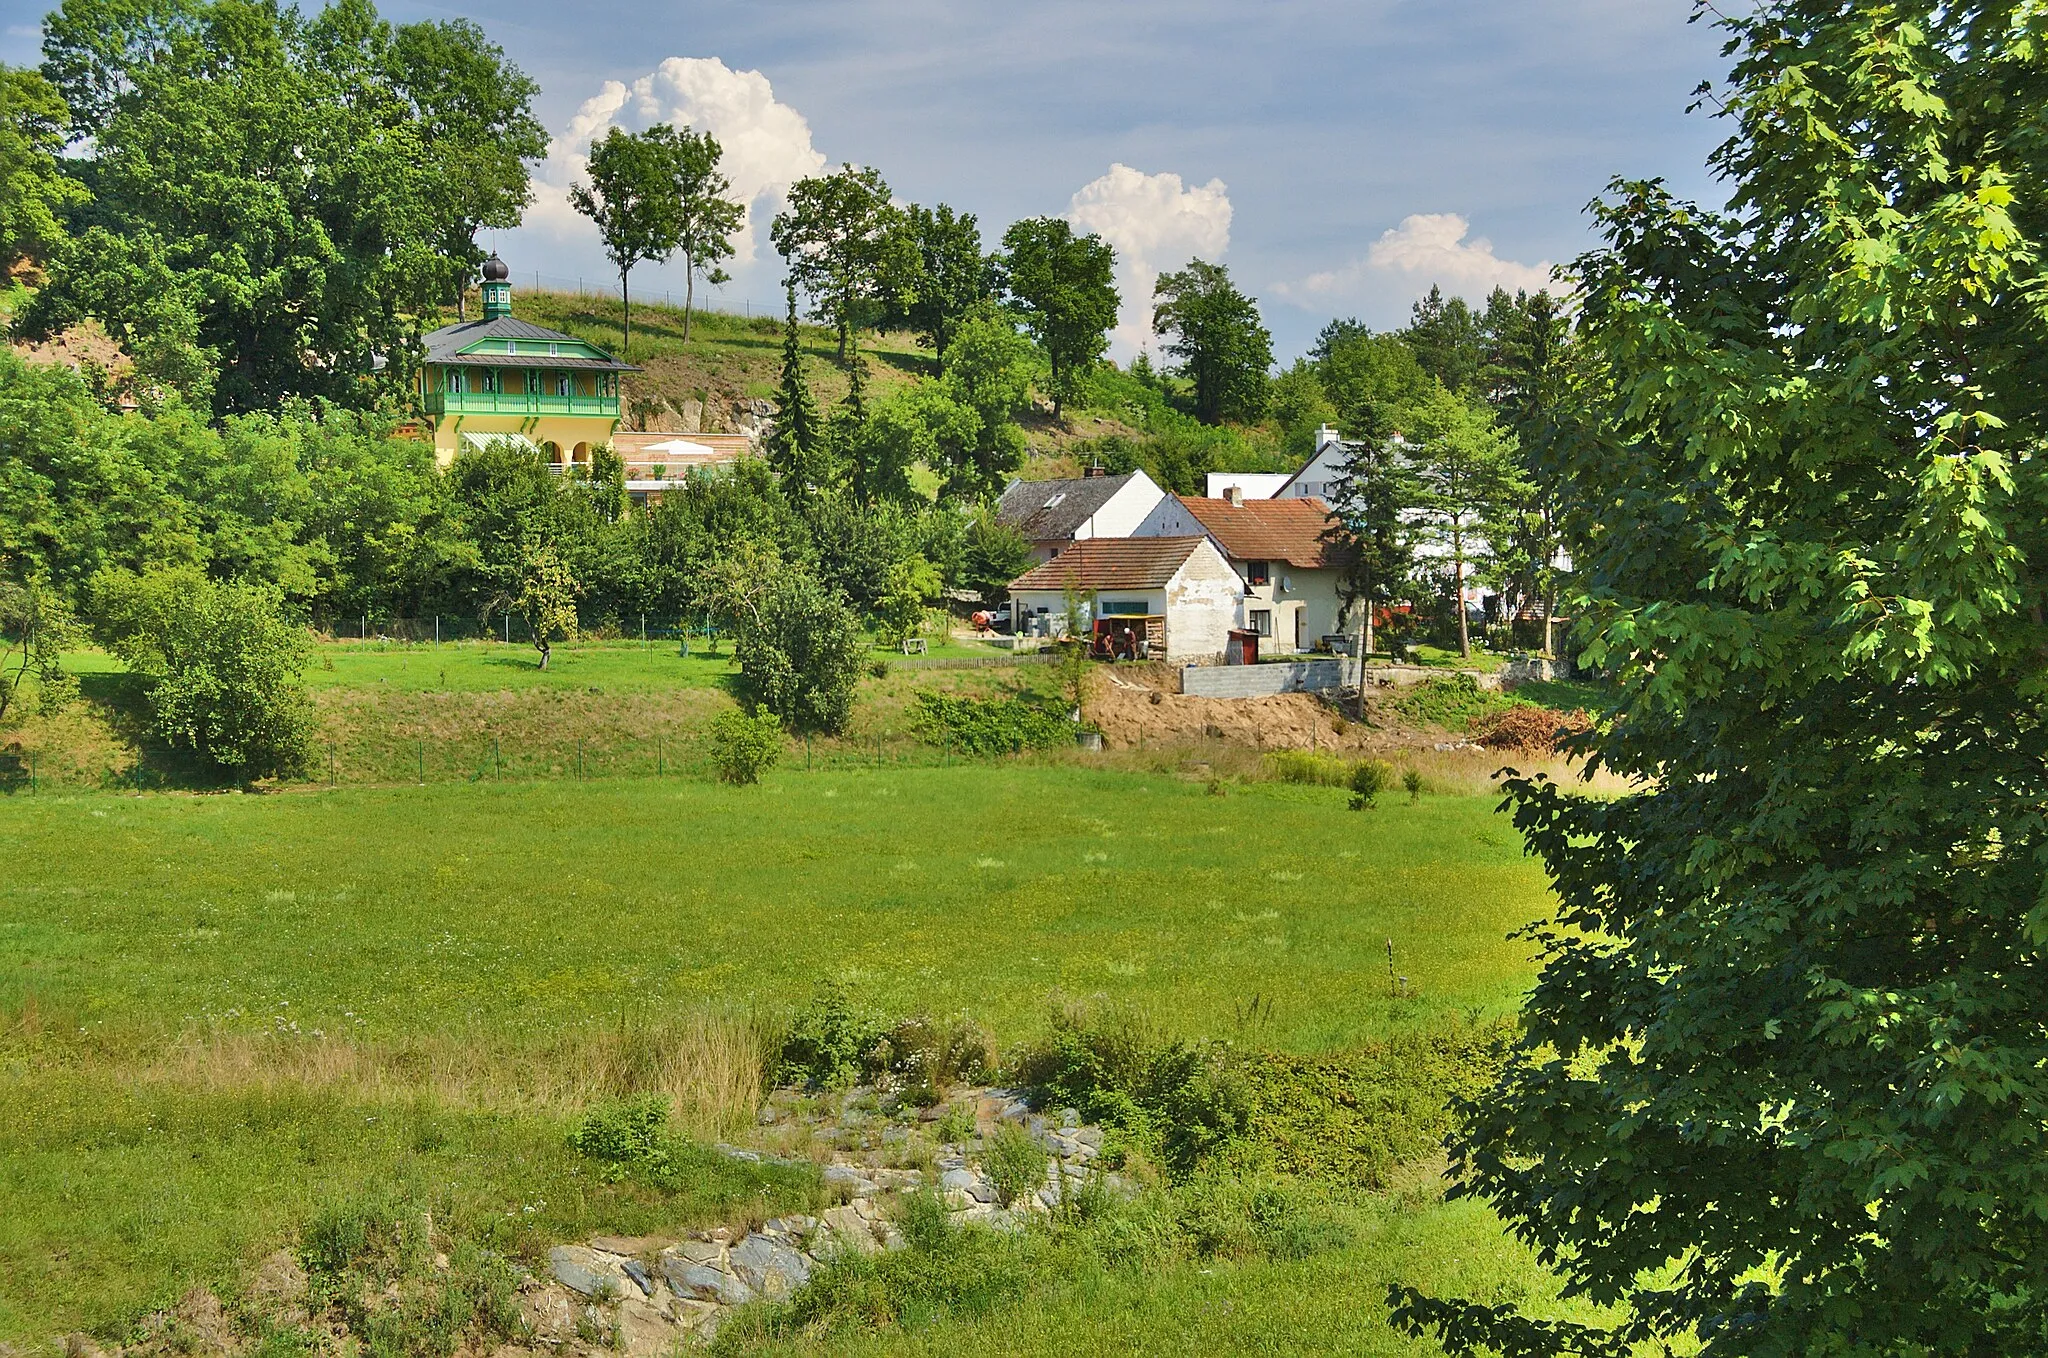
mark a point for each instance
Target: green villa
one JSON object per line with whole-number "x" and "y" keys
{"x": 503, "y": 378}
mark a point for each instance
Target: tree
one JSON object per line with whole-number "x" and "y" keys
{"x": 912, "y": 585}
{"x": 273, "y": 191}
{"x": 1465, "y": 464}
{"x": 706, "y": 217}
{"x": 35, "y": 192}
{"x": 949, "y": 276}
{"x": 35, "y": 629}
{"x": 840, "y": 237}
{"x": 1536, "y": 380}
{"x": 1370, "y": 501}
{"x": 1373, "y": 381}
{"x": 473, "y": 113}
{"x": 1448, "y": 340}
{"x": 1215, "y": 332}
{"x": 1781, "y": 1079}
{"x": 607, "y": 485}
{"x": 802, "y": 658}
{"x": 992, "y": 555}
{"x": 989, "y": 373}
{"x": 225, "y": 671}
{"x": 915, "y": 425}
{"x": 1064, "y": 288}
{"x": 1300, "y": 406}
{"x": 796, "y": 441}
{"x": 546, "y": 600}
{"x": 745, "y": 747}
{"x": 632, "y": 200}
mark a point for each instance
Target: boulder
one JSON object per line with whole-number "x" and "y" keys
{"x": 586, "y": 1271}
{"x": 705, "y": 1282}
{"x": 769, "y": 1267}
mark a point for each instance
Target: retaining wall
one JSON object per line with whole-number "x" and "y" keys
{"x": 1258, "y": 681}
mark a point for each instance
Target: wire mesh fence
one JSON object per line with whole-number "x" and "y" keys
{"x": 708, "y": 298}
{"x": 440, "y": 628}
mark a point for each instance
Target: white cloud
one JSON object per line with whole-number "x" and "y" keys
{"x": 766, "y": 143}
{"x": 1426, "y": 248}
{"x": 1156, "y": 224}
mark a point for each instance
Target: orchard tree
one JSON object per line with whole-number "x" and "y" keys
{"x": 842, "y": 240}
{"x": 1064, "y": 288}
{"x": 800, "y": 657}
{"x": 1781, "y": 1082}
{"x": 546, "y": 600}
{"x": 632, "y": 200}
{"x": 706, "y": 215}
{"x": 1215, "y": 331}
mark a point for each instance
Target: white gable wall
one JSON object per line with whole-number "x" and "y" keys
{"x": 1255, "y": 485}
{"x": 1204, "y": 600}
{"x": 1121, "y": 514}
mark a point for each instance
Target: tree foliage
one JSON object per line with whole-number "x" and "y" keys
{"x": 706, "y": 216}
{"x": 1215, "y": 331}
{"x": 226, "y": 672}
{"x": 841, "y": 238}
{"x": 795, "y": 444}
{"x": 1064, "y": 289}
{"x": 632, "y": 200}
{"x": 35, "y": 191}
{"x": 1784, "y": 1072}
{"x": 949, "y": 276}
{"x": 801, "y": 658}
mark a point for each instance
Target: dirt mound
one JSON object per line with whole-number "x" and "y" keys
{"x": 1535, "y": 730}
{"x": 1134, "y": 706}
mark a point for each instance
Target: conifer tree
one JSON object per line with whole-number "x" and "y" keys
{"x": 793, "y": 446}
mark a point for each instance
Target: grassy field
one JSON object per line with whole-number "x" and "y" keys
{"x": 230, "y": 1011}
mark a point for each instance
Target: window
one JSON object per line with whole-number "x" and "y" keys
{"x": 455, "y": 382}
{"x": 1258, "y": 573}
{"x": 487, "y": 380}
{"x": 1135, "y": 608}
{"x": 1262, "y": 621}
{"x": 1055, "y": 499}
{"x": 565, "y": 385}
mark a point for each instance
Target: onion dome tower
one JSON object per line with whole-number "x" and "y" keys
{"x": 497, "y": 288}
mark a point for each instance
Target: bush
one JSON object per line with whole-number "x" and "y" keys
{"x": 1015, "y": 1163}
{"x": 626, "y": 1134}
{"x": 801, "y": 655}
{"x": 1306, "y": 766}
{"x": 1452, "y": 701}
{"x": 226, "y": 672}
{"x": 1411, "y": 783}
{"x": 984, "y": 728}
{"x": 831, "y": 1044}
{"x": 373, "y": 1266}
{"x": 1369, "y": 778}
{"x": 745, "y": 747}
{"x": 926, "y": 1056}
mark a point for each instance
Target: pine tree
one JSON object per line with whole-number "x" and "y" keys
{"x": 793, "y": 445}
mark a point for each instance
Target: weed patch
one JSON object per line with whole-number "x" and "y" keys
{"x": 1452, "y": 701}
{"x": 986, "y": 728}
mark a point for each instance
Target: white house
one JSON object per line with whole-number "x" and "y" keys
{"x": 1251, "y": 485}
{"x": 1143, "y": 598}
{"x": 1292, "y": 577}
{"x": 1056, "y": 514}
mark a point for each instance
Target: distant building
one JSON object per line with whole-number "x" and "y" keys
{"x": 657, "y": 463}
{"x": 1155, "y": 598}
{"x": 1251, "y": 485}
{"x": 1292, "y": 577}
{"x": 1056, "y": 514}
{"x": 502, "y": 378}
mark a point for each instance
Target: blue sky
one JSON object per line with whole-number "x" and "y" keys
{"x": 1339, "y": 157}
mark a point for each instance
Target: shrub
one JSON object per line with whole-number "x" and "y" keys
{"x": 831, "y": 1044}
{"x": 1306, "y": 766}
{"x": 226, "y": 672}
{"x": 927, "y": 1055}
{"x": 1015, "y": 1163}
{"x": 372, "y": 1266}
{"x": 984, "y": 728}
{"x": 745, "y": 747}
{"x": 1531, "y": 730}
{"x": 1411, "y": 782}
{"x": 1452, "y": 701}
{"x": 954, "y": 1126}
{"x": 625, "y": 1133}
{"x": 1369, "y": 778}
{"x": 800, "y": 655}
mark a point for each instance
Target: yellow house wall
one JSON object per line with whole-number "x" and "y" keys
{"x": 566, "y": 431}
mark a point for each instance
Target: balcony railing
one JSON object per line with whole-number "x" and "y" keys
{"x": 518, "y": 403}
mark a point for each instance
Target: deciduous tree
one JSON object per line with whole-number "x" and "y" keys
{"x": 35, "y": 191}
{"x": 1464, "y": 462}
{"x": 949, "y": 274}
{"x": 842, "y": 240}
{"x": 1064, "y": 288}
{"x": 801, "y": 660}
{"x": 1214, "y": 330}
{"x": 632, "y": 199}
{"x": 706, "y": 216}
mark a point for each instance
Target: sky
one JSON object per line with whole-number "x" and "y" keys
{"x": 1340, "y": 156}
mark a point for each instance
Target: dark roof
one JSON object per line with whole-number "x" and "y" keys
{"x": 1288, "y": 530}
{"x": 1041, "y": 510}
{"x": 446, "y": 345}
{"x": 1112, "y": 563}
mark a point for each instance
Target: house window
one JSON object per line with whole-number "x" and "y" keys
{"x": 1258, "y": 573}
{"x": 565, "y": 385}
{"x": 1135, "y": 608}
{"x": 1262, "y": 621}
{"x": 455, "y": 382}
{"x": 487, "y": 380}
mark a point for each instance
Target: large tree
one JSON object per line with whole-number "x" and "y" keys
{"x": 1536, "y": 380}
{"x": 1064, "y": 288}
{"x": 632, "y": 200}
{"x": 1215, "y": 331}
{"x": 1371, "y": 503}
{"x": 1783, "y": 1077}
{"x": 841, "y": 238}
{"x": 949, "y": 274}
{"x": 795, "y": 444}
{"x": 1372, "y": 380}
{"x": 269, "y": 188}
{"x": 1464, "y": 464}
{"x": 1448, "y": 339}
{"x": 706, "y": 215}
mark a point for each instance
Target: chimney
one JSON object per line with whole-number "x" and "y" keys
{"x": 1095, "y": 469}
{"x": 1326, "y": 435}
{"x": 1234, "y": 496}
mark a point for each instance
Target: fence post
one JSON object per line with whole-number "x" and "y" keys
{"x": 807, "y": 751}
{"x": 497, "y": 760}
{"x": 423, "y": 763}
{"x": 331, "y": 780}
{"x": 579, "y": 761}
{"x": 363, "y": 632}
{"x": 508, "y": 629}
{"x": 643, "y": 631}
{"x": 437, "y": 629}
{"x": 660, "y": 757}
{"x": 31, "y": 773}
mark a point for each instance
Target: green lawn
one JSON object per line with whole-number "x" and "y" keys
{"x": 526, "y": 909}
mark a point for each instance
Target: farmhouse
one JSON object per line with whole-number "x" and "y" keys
{"x": 1141, "y": 598}
{"x": 1292, "y": 577}
{"x": 1056, "y": 514}
{"x": 503, "y": 378}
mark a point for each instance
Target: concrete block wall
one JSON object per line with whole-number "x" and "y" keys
{"x": 1258, "y": 681}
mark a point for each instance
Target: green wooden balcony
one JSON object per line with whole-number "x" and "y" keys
{"x": 441, "y": 403}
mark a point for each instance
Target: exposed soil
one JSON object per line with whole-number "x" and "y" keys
{"x": 1139, "y": 705}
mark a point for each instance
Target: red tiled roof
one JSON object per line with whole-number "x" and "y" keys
{"x": 1112, "y": 563}
{"x": 1288, "y": 530}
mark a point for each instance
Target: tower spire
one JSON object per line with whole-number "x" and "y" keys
{"x": 497, "y": 288}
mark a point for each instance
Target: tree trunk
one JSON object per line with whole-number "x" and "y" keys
{"x": 689, "y": 292}
{"x": 1364, "y": 648}
{"x": 626, "y": 304}
{"x": 542, "y": 645}
{"x": 1458, "y": 565}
